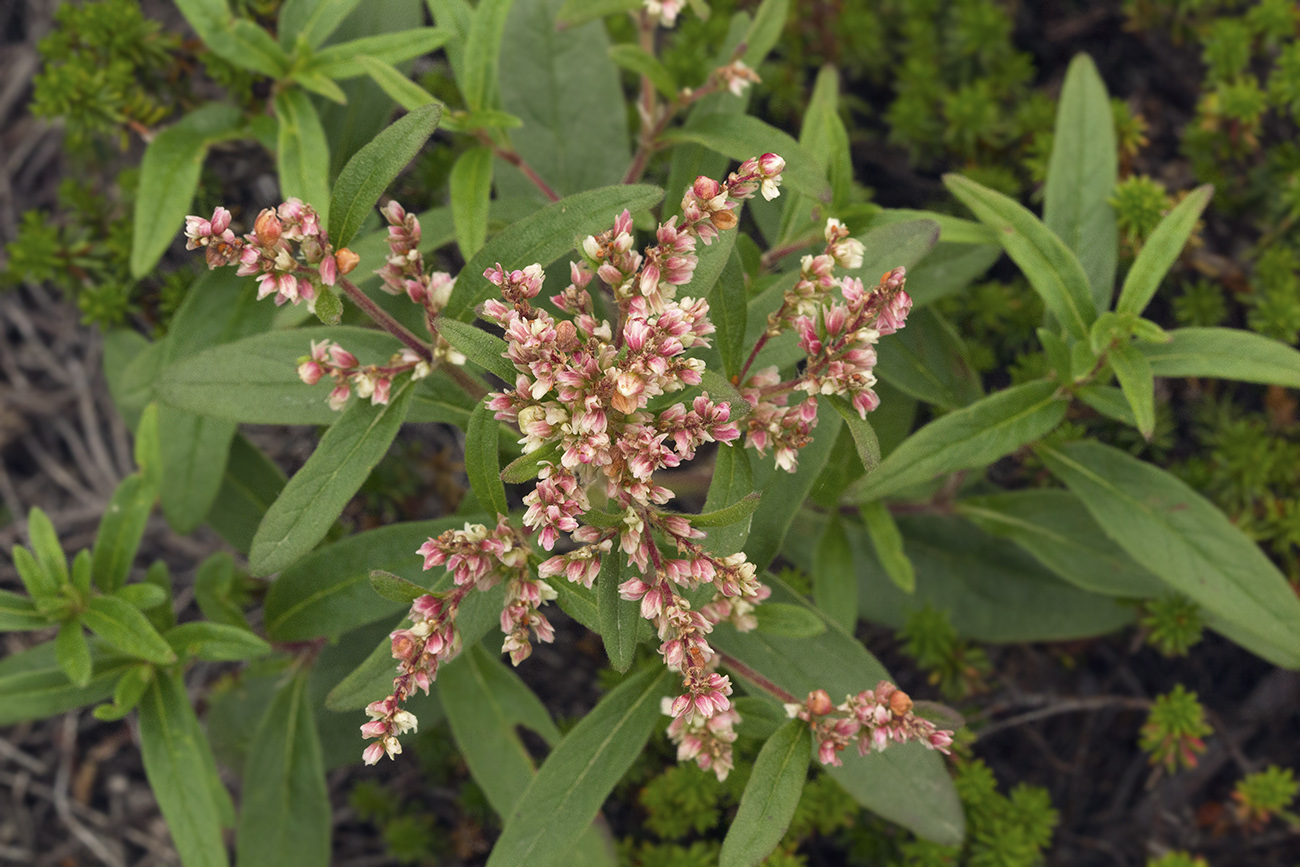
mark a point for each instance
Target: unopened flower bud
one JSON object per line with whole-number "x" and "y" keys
{"x": 566, "y": 336}
{"x": 347, "y": 260}
{"x": 819, "y": 702}
{"x": 267, "y": 228}
{"x": 900, "y": 703}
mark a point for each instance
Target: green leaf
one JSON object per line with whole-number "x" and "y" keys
{"x": 728, "y": 309}
{"x": 248, "y": 45}
{"x": 145, "y": 595}
{"x": 728, "y": 515}
{"x": 784, "y": 494}
{"x": 1134, "y": 374}
{"x": 887, "y": 247}
{"x": 371, "y": 169}
{"x": 120, "y": 532}
{"x": 865, "y": 441}
{"x": 1224, "y": 353}
{"x": 968, "y": 438}
{"x": 740, "y": 137}
{"x": 19, "y": 613}
{"x": 285, "y": 817}
{"x": 576, "y": 601}
{"x": 638, "y": 61}
{"x": 888, "y": 542}
{"x": 580, "y": 772}
{"x": 471, "y": 191}
{"x": 543, "y": 237}
{"x": 33, "y": 685}
{"x": 483, "y": 53}
{"x": 194, "y": 453}
{"x": 39, "y": 584}
{"x": 392, "y": 81}
{"x": 765, "y": 30}
{"x": 1192, "y": 546}
{"x": 1050, "y": 266}
{"x": 249, "y": 486}
{"x": 732, "y": 481}
{"x": 316, "y": 495}
{"x": 949, "y": 269}
{"x": 1081, "y": 174}
{"x": 147, "y": 452}
{"x": 486, "y": 350}
{"x": 575, "y": 12}
{"x": 395, "y": 588}
{"x": 73, "y": 653}
{"x": 169, "y": 176}
{"x": 929, "y": 361}
{"x": 127, "y": 694}
{"x": 1057, "y": 530}
{"x": 952, "y": 230}
{"x": 215, "y": 642}
{"x": 788, "y": 621}
{"x": 328, "y": 592}
{"x": 906, "y": 784}
{"x": 303, "y": 154}
{"x": 1161, "y": 250}
{"x": 483, "y": 460}
{"x": 49, "y": 553}
{"x": 314, "y": 20}
{"x": 720, "y": 390}
{"x": 81, "y": 572}
{"x": 569, "y": 95}
{"x": 1109, "y": 401}
{"x": 357, "y": 56}
{"x": 217, "y": 592}
{"x": 179, "y": 766}
{"x": 527, "y": 467}
{"x": 770, "y": 797}
{"x": 122, "y": 625}
{"x": 619, "y": 618}
{"x": 367, "y": 682}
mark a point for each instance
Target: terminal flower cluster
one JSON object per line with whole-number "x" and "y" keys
{"x": 872, "y": 719}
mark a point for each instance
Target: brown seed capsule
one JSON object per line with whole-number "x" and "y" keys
{"x": 724, "y": 220}
{"x": 900, "y": 703}
{"x": 819, "y": 702}
{"x": 267, "y": 228}
{"x": 566, "y": 336}
{"x": 346, "y": 259}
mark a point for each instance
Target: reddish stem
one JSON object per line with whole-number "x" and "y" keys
{"x": 755, "y": 678}
{"x": 384, "y": 320}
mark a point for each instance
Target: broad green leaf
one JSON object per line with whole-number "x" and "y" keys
{"x": 720, "y": 390}
{"x": 121, "y": 349}
{"x": 1134, "y": 374}
{"x": 638, "y": 61}
{"x": 122, "y": 625}
{"x": 580, "y": 772}
{"x": 73, "y": 653}
{"x": 215, "y": 642}
{"x": 33, "y": 686}
{"x": 907, "y": 784}
{"x": 543, "y": 237}
{"x": 394, "y": 82}
{"x": 486, "y": 350}
{"x": 785, "y": 493}
{"x": 180, "y": 769}
{"x": 569, "y": 95}
{"x": 865, "y": 442}
{"x": 395, "y": 588}
{"x": 352, "y": 58}
{"x": 483, "y": 53}
{"x": 19, "y": 614}
{"x": 740, "y": 137}
{"x": 888, "y": 543}
{"x": 1081, "y": 175}
{"x": 205, "y": 16}
{"x": 316, "y": 495}
{"x": 328, "y": 592}
{"x": 1192, "y": 546}
{"x": 303, "y": 154}
{"x": 1224, "y": 353}
{"x": 1161, "y": 250}
{"x": 48, "y": 551}
{"x": 968, "y": 438}
{"x": 249, "y": 486}
{"x": 471, "y": 192}
{"x": 887, "y": 247}
{"x": 455, "y": 16}
{"x": 169, "y": 175}
{"x": 81, "y": 572}
{"x": 948, "y": 269}
{"x": 483, "y": 460}
{"x": 952, "y": 230}
{"x": 929, "y": 361}
{"x": 285, "y": 817}
{"x": 1050, "y": 266}
{"x": 194, "y": 453}
{"x": 162, "y": 616}
{"x": 575, "y": 12}
{"x": 770, "y": 797}
{"x": 788, "y": 621}
{"x": 120, "y": 532}
{"x": 732, "y": 481}
{"x": 728, "y": 311}
{"x": 256, "y": 380}
{"x": 367, "y": 682}
{"x": 1054, "y": 526}
{"x": 576, "y": 601}
{"x": 313, "y": 20}
{"x": 371, "y": 169}
{"x": 619, "y": 618}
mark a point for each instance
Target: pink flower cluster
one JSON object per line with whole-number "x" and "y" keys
{"x": 288, "y": 251}
{"x": 373, "y": 381}
{"x": 871, "y": 719}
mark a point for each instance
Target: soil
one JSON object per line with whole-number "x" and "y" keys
{"x": 1061, "y": 716}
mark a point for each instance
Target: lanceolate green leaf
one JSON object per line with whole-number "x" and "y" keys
{"x": 1051, "y": 268}
{"x": 303, "y": 154}
{"x": 575, "y": 12}
{"x": 619, "y": 618}
{"x": 865, "y": 441}
{"x": 770, "y": 797}
{"x": 33, "y": 686}
{"x": 120, "y": 532}
{"x": 285, "y": 815}
{"x": 967, "y": 438}
{"x": 1224, "y": 353}
{"x": 348, "y": 59}
{"x": 765, "y": 30}
{"x": 887, "y": 247}
{"x": 834, "y": 576}
{"x": 371, "y": 169}
{"x": 635, "y": 59}
{"x": 169, "y": 175}
{"x": 484, "y": 349}
{"x": 1081, "y": 176}
{"x": 125, "y": 628}
{"x": 1134, "y": 374}
{"x": 18, "y": 613}
{"x": 545, "y": 236}
{"x": 483, "y": 52}
{"x": 249, "y": 486}
{"x": 580, "y": 772}
{"x": 215, "y": 642}
{"x": 471, "y": 190}
{"x": 393, "y": 82}
{"x": 314, "y": 20}
{"x": 888, "y": 542}
{"x": 732, "y": 481}
{"x": 73, "y": 653}
{"x": 194, "y": 452}
{"x": 928, "y": 360}
{"x": 728, "y": 311}
{"x": 1161, "y": 250}
{"x": 177, "y": 762}
{"x": 740, "y": 137}
{"x": 316, "y": 495}
{"x": 483, "y": 460}
{"x": 1191, "y": 545}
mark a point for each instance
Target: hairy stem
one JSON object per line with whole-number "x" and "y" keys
{"x": 385, "y": 321}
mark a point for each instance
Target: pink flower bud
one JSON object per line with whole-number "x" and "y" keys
{"x": 310, "y": 372}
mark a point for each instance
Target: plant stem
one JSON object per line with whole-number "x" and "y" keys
{"x": 385, "y": 321}
{"x": 520, "y": 163}
{"x": 754, "y": 677}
